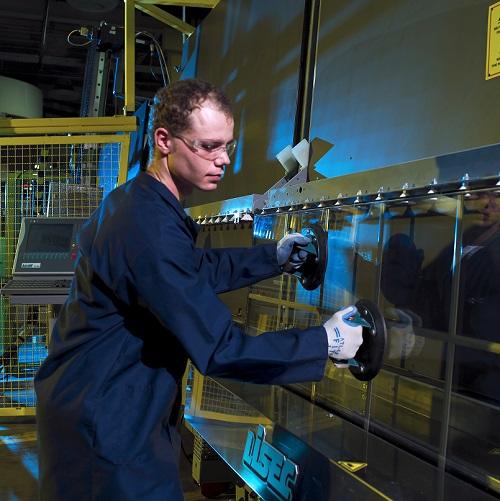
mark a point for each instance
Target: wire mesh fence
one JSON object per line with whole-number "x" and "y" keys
{"x": 39, "y": 177}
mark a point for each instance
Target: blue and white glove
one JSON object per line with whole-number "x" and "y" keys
{"x": 344, "y": 336}
{"x": 289, "y": 253}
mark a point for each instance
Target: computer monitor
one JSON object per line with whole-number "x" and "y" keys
{"x": 47, "y": 245}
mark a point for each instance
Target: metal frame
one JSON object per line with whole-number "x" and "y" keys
{"x": 86, "y": 129}
{"x": 149, "y": 7}
{"x": 124, "y": 139}
{"x": 37, "y": 126}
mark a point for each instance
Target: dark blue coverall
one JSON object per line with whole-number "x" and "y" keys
{"x": 142, "y": 302}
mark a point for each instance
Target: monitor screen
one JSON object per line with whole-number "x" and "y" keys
{"x": 47, "y": 245}
{"x": 49, "y": 238}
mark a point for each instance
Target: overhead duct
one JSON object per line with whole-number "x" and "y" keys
{"x": 19, "y": 99}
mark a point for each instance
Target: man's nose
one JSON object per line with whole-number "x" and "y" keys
{"x": 223, "y": 159}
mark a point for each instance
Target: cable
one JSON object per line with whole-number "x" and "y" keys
{"x": 77, "y": 44}
{"x": 161, "y": 57}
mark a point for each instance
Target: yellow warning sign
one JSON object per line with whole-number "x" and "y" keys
{"x": 352, "y": 466}
{"x": 493, "y": 42}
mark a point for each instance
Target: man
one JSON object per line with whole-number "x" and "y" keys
{"x": 144, "y": 299}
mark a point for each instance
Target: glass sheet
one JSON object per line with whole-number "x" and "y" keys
{"x": 216, "y": 236}
{"x": 407, "y": 409}
{"x": 477, "y": 374}
{"x": 353, "y": 234}
{"x": 262, "y": 317}
{"x": 269, "y": 228}
{"x": 474, "y": 439}
{"x": 400, "y": 255}
{"x": 479, "y": 299}
{"x": 415, "y": 282}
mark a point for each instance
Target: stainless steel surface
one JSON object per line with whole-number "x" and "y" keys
{"x": 229, "y": 207}
{"x": 335, "y": 457}
{"x": 399, "y": 81}
{"x": 445, "y": 173}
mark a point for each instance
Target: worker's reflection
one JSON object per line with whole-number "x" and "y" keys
{"x": 421, "y": 296}
{"x": 401, "y": 272}
{"x": 478, "y": 372}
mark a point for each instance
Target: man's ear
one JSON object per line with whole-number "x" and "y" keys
{"x": 163, "y": 140}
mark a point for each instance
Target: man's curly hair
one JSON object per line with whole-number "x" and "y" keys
{"x": 173, "y": 105}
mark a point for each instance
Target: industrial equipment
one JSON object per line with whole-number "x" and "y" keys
{"x": 422, "y": 260}
{"x": 368, "y": 360}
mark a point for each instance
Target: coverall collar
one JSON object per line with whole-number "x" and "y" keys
{"x": 163, "y": 191}
{"x": 149, "y": 181}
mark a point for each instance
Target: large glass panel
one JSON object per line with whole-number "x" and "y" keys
{"x": 417, "y": 266}
{"x": 415, "y": 291}
{"x": 216, "y": 236}
{"x": 407, "y": 409}
{"x": 269, "y": 228}
{"x": 352, "y": 256}
{"x": 351, "y": 275}
{"x": 295, "y": 292}
{"x": 474, "y": 434}
{"x": 480, "y": 268}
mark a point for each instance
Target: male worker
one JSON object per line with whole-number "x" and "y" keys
{"x": 143, "y": 300}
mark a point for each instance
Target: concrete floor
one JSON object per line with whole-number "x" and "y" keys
{"x": 19, "y": 465}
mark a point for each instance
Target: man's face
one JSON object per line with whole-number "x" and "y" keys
{"x": 484, "y": 209}
{"x": 195, "y": 167}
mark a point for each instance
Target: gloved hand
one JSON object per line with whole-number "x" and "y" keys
{"x": 344, "y": 336}
{"x": 401, "y": 334}
{"x": 289, "y": 253}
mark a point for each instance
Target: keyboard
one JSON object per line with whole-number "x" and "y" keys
{"x": 41, "y": 286}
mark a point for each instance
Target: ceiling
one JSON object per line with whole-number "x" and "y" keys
{"x": 34, "y": 47}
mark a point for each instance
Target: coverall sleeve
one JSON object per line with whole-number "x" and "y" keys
{"x": 231, "y": 268}
{"x": 168, "y": 283}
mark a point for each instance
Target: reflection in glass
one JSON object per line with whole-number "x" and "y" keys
{"x": 480, "y": 268}
{"x": 417, "y": 256}
{"x": 353, "y": 250}
{"x": 267, "y": 229}
{"x": 401, "y": 256}
{"x": 474, "y": 438}
{"x": 417, "y": 266}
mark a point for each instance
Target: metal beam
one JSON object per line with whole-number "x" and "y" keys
{"x": 165, "y": 17}
{"x": 209, "y": 4}
{"x": 129, "y": 57}
{"x": 25, "y": 126}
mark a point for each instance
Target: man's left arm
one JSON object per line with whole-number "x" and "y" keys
{"x": 232, "y": 268}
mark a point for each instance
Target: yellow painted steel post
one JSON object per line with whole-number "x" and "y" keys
{"x": 129, "y": 57}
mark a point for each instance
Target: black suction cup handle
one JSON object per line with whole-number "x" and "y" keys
{"x": 369, "y": 359}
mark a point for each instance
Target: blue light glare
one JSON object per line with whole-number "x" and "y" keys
{"x": 238, "y": 158}
{"x": 28, "y": 458}
{"x": 108, "y": 167}
{"x": 189, "y": 63}
{"x": 288, "y": 59}
{"x": 30, "y": 462}
{"x": 263, "y": 227}
{"x": 231, "y": 77}
{"x": 283, "y": 116}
